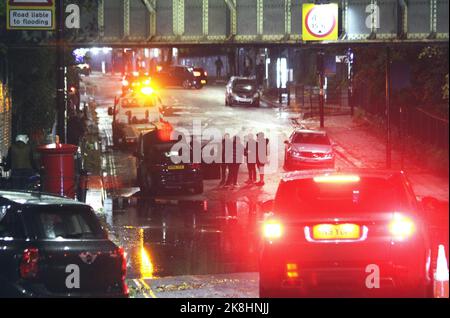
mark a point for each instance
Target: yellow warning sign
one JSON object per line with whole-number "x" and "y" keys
{"x": 320, "y": 22}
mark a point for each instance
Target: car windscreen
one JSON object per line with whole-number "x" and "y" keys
{"x": 308, "y": 138}
{"x": 143, "y": 102}
{"x": 244, "y": 86}
{"x": 66, "y": 222}
{"x": 307, "y": 197}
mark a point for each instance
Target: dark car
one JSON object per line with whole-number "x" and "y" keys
{"x": 56, "y": 247}
{"x": 306, "y": 149}
{"x": 178, "y": 75}
{"x": 135, "y": 81}
{"x": 156, "y": 168}
{"x": 343, "y": 232}
{"x": 202, "y": 77}
{"x": 242, "y": 91}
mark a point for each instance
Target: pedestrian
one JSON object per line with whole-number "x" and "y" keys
{"x": 226, "y": 144}
{"x": 219, "y": 66}
{"x": 250, "y": 156}
{"x": 262, "y": 155}
{"x": 21, "y": 162}
{"x": 238, "y": 158}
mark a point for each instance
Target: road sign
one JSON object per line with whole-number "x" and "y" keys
{"x": 30, "y": 15}
{"x": 320, "y": 22}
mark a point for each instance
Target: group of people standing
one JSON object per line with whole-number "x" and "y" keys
{"x": 252, "y": 151}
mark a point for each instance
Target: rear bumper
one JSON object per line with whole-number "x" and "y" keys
{"x": 297, "y": 163}
{"x": 336, "y": 275}
{"x": 179, "y": 182}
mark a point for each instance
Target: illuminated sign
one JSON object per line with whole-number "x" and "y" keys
{"x": 30, "y": 15}
{"x": 319, "y": 22}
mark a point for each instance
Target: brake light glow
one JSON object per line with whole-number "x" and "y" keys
{"x": 291, "y": 270}
{"x": 205, "y": 73}
{"x": 401, "y": 227}
{"x": 197, "y": 73}
{"x": 147, "y": 90}
{"x": 29, "y": 264}
{"x": 339, "y": 178}
{"x": 272, "y": 229}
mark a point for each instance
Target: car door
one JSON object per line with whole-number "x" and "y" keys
{"x": 12, "y": 240}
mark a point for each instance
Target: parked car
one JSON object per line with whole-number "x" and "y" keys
{"x": 242, "y": 91}
{"x": 330, "y": 230}
{"x": 133, "y": 114}
{"x": 157, "y": 171}
{"x": 177, "y": 75}
{"x": 46, "y": 238}
{"x": 307, "y": 149}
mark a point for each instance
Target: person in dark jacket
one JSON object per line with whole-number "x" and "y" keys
{"x": 224, "y": 164}
{"x": 250, "y": 155}
{"x": 262, "y": 155}
{"x": 21, "y": 163}
{"x": 238, "y": 158}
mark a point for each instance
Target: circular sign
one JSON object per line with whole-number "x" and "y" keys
{"x": 320, "y": 21}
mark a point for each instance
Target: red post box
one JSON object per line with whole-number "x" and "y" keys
{"x": 59, "y": 166}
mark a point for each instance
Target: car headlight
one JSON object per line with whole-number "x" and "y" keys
{"x": 295, "y": 153}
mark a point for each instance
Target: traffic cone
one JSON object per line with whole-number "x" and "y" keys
{"x": 441, "y": 275}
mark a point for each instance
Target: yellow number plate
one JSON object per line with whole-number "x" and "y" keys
{"x": 203, "y": 81}
{"x": 345, "y": 231}
{"x": 176, "y": 167}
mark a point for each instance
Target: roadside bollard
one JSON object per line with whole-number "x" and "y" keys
{"x": 441, "y": 275}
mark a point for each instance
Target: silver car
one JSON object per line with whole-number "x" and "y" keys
{"x": 308, "y": 149}
{"x": 242, "y": 91}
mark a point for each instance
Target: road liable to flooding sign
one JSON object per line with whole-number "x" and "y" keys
{"x": 30, "y": 15}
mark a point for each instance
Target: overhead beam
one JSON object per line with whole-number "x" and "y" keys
{"x": 150, "y": 6}
{"x": 433, "y": 18}
{"x": 233, "y": 17}
{"x": 126, "y": 18}
{"x": 101, "y": 18}
{"x": 178, "y": 17}
{"x": 259, "y": 17}
{"x": 205, "y": 17}
{"x": 288, "y": 17}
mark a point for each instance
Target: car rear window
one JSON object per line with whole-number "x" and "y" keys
{"x": 66, "y": 222}
{"x": 139, "y": 102}
{"x": 308, "y": 138}
{"x": 306, "y": 197}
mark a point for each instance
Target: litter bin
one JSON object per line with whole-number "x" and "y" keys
{"x": 59, "y": 168}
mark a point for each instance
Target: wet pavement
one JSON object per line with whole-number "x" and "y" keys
{"x": 183, "y": 245}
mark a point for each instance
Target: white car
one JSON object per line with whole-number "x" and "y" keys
{"x": 133, "y": 114}
{"x": 308, "y": 149}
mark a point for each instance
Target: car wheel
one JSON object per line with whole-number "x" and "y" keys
{"x": 186, "y": 84}
{"x": 198, "y": 189}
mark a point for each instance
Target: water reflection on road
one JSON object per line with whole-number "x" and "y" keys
{"x": 187, "y": 239}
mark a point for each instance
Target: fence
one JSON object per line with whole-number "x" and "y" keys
{"x": 336, "y": 100}
{"x": 427, "y": 127}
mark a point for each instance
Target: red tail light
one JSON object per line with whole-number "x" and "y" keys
{"x": 197, "y": 73}
{"x": 29, "y": 264}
